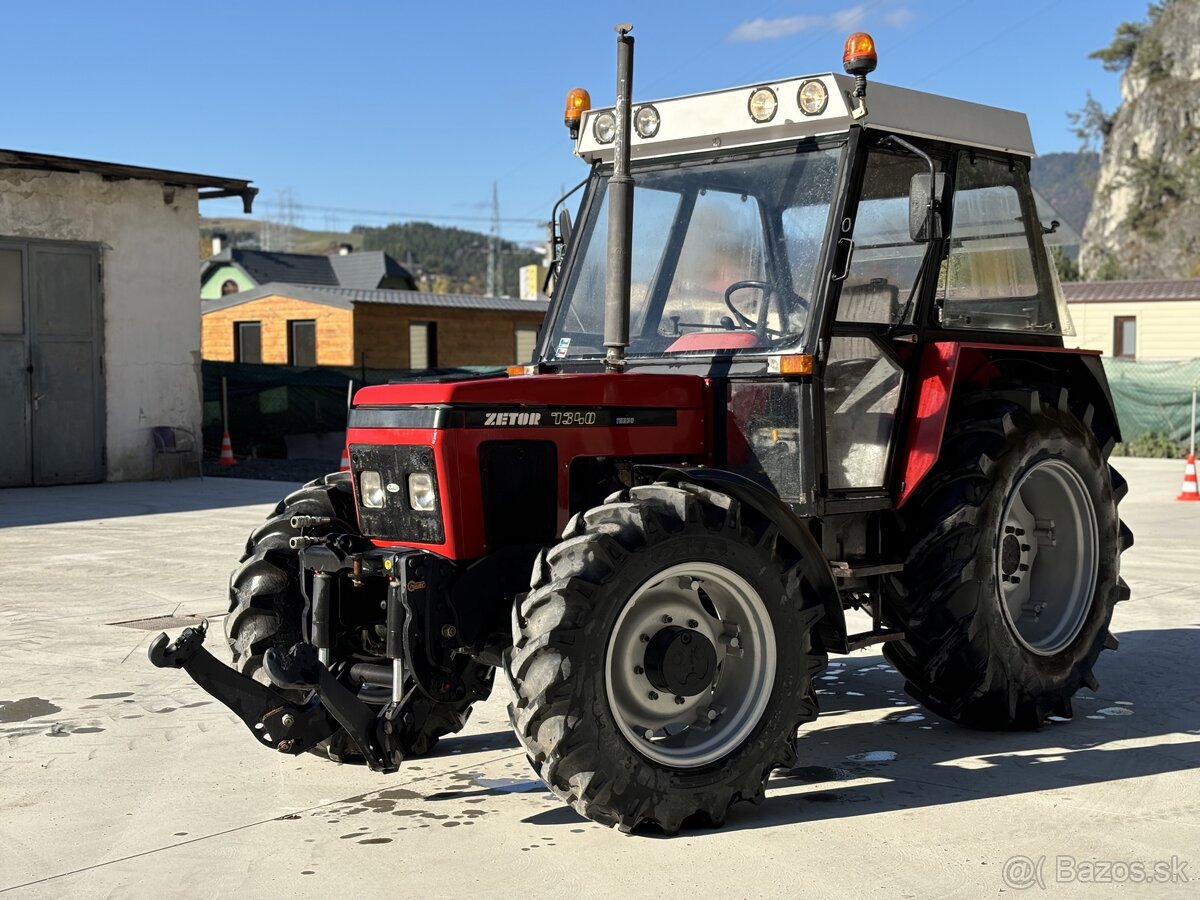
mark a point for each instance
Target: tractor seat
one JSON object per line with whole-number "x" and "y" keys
{"x": 713, "y": 340}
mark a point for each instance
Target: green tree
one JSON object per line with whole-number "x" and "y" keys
{"x": 1067, "y": 268}
{"x": 1124, "y": 49}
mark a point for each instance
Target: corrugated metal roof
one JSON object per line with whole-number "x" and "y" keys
{"x": 1116, "y": 291}
{"x": 345, "y": 298}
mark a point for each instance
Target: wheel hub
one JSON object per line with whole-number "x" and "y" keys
{"x": 681, "y": 662}
{"x": 1010, "y": 555}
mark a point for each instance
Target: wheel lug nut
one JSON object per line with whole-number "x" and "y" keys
{"x": 638, "y": 670}
{"x": 666, "y": 620}
{"x": 645, "y": 638}
{"x": 653, "y": 695}
{"x": 679, "y": 701}
{"x": 692, "y": 623}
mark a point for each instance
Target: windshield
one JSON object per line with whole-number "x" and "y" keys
{"x": 725, "y": 256}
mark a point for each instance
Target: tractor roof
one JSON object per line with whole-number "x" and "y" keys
{"x": 721, "y": 119}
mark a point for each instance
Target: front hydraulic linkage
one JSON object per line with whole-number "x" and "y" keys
{"x": 275, "y": 720}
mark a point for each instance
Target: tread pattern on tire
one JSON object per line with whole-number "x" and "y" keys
{"x": 564, "y": 607}
{"x": 949, "y": 661}
{"x": 266, "y": 608}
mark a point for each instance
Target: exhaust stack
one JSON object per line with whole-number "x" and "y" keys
{"x": 620, "y": 214}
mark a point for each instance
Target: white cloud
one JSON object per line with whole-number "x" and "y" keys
{"x": 899, "y": 17}
{"x": 848, "y": 19}
{"x": 771, "y": 29}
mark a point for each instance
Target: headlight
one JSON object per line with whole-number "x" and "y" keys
{"x": 422, "y": 495}
{"x": 812, "y": 98}
{"x": 604, "y": 128}
{"x": 763, "y": 104}
{"x": 646, "y": 121}
{"x": 370, "y": 489}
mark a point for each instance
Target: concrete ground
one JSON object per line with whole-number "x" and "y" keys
{"x": 118, "y": 779}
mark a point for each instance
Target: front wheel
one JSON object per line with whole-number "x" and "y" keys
{"x": 1013, "y": 566}
{"x": 664, "y": 659}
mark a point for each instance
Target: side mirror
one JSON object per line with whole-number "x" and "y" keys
{"x": 564, "y": 226}
{"x": 920, "y": 217}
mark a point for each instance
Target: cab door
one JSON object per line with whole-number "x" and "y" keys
{"x": 870, "y": 345}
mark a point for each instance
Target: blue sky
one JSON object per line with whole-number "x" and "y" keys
{"x": 416, "y": 108}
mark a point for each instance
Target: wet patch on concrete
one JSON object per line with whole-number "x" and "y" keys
{"x": 26, "y": 708}
{"x": 114, "y": 696}
{"x": 816, "y": 774}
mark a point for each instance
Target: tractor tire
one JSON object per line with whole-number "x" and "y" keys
{"x": 626, "y": 751}
{"x": 266, "y": 609}
{"x": 1013, "y": 563}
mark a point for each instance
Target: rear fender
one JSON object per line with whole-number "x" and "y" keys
{"x": 948, "y": 368}
{"x": 831, "y": 629}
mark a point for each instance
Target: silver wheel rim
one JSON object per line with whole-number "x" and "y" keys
{"x": 720, "y": 605}
{"x": 1047, "y": 557}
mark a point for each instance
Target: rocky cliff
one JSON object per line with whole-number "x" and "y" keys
{"x": 1145, "y": 221}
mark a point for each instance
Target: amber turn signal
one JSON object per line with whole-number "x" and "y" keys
{"x": 860, "y": 57}
{"x": 795, "y": 364}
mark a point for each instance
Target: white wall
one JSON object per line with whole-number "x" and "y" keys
{"x": 1166, "y": 329}
{"x": 149, "y": 251}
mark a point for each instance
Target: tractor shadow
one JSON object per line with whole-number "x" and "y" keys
{"x": 937, "y": 763}
{"x": 86, "y": 502}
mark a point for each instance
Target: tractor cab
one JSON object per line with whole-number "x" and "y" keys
{"x": 799, "y": 242}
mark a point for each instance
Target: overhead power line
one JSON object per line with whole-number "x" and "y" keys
{"x": 301, "y": 210}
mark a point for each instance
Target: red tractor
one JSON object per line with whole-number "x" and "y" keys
{"x": 805, "y": 354}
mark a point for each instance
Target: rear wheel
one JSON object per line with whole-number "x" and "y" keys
{"x": 663, "y": 660}
{"x": 266, "y": 609}
{"x": 1013, "y": 564}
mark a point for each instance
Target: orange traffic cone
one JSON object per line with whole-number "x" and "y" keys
{"x": 344, "y": 465}
{"x": 1189, "y": 491}
{"x": 226, "y": 458}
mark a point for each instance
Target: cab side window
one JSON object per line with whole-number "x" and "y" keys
{"x": 989, "y": 278}
{"x": 886, "y": 260}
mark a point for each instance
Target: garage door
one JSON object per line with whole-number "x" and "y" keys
{"x": 52, "y": 405}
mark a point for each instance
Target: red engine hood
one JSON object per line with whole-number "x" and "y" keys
{"x": 638, "y": 390}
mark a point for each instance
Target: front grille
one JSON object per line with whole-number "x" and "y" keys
{"x": 520, "y": 492}
{"x": 396, "y": 520}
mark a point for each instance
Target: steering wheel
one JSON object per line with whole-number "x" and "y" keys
{"x": 759, "y": 325}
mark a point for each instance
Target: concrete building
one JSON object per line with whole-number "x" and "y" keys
{"x": 305, "y": 325}
{"x": 99, "y": 336}
{"x": 1144, "y": 320}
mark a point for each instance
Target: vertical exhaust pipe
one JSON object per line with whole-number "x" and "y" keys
{"x": 620, "y": 215}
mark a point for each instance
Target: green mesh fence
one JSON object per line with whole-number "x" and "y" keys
{"x": 268, "y": 404}
{"x": 1153, "y": 397}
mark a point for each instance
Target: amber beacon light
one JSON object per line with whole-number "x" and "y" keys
{"x": 579, "y": 101}
{"x": 859, "y": 57}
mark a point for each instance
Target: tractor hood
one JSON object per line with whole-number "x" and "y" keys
{"x": 648, "y": 391}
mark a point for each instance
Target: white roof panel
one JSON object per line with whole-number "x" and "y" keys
{"x": 721, "y": 119}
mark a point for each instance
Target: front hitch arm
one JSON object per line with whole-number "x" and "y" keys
{"x": 272, "y": 718}
{"x": 300, "y": 668}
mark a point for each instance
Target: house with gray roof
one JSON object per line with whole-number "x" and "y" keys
{"x": 235, "y": 269}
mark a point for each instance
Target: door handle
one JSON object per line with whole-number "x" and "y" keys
{"x": 848, "y": 244}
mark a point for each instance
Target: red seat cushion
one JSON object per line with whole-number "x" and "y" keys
{"x": 713, "y": 340}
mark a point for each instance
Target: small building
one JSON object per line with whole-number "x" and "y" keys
{"x": 1145, "y": 320}
{"x": 99, "y": 337}
{"x": 307, "y": 324}
{"x": 233, "y": 270}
